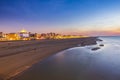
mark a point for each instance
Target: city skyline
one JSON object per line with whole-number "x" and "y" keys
{"x": 81, "y": 17}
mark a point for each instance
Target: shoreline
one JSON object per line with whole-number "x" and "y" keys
{"x": 34, "y": 52}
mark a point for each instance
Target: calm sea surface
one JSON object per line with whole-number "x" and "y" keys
{"x": 80, "y": 63}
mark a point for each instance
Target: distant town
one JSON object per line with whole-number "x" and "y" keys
{"x": 25, "y": 35}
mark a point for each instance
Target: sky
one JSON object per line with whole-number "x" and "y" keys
{"x": 78, "y": 17}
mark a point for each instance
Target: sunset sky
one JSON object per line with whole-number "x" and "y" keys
{"x": 82, "y": 17}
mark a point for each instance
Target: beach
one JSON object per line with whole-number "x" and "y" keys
{"x": 17, "y": 56}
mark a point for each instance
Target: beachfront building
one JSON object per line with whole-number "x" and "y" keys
{"x": 24, "y": 35}
{"x": 32, "y": 36}
{"x": 12, "y": 36}
{"x": 37, "y": 36}
{"x": 51, "y": 36}
{"x": 2, "y": 36}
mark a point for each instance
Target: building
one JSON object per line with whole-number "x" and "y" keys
{"x": 1, "y": 34}
{"x": 24, "y": 35}
{"x": 12, "y": 36}
{"x": 2, "y": 37}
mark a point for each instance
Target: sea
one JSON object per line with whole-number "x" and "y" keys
{"x": 80, "y": 63}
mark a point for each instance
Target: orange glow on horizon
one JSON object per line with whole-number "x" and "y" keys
{"x": 114, "y": 32}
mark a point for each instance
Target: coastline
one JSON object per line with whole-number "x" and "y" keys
{"x": 19, "y": 56}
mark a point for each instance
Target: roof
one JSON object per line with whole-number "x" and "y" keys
{"x": 23, "y": 31}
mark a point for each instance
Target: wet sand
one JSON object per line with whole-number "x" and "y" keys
{"x": 15, "y": 57}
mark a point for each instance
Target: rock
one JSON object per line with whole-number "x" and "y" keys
{"x": 101, "y": 45}
{"x": 96, "y": 48}
{"x": 99, "y": 40}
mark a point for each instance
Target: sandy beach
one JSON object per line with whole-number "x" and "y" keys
{"x": 16, "y": 57}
